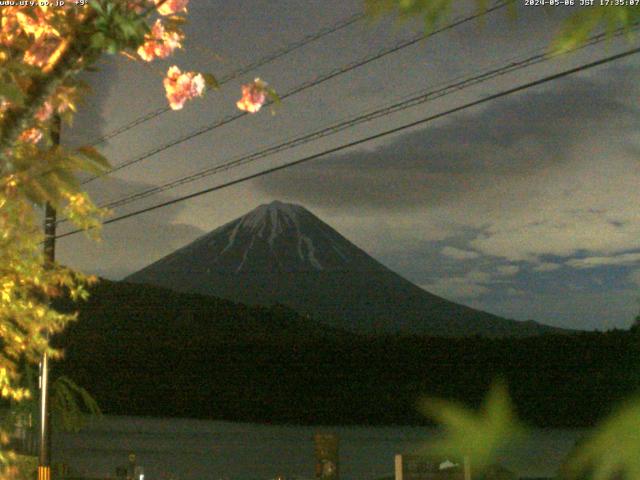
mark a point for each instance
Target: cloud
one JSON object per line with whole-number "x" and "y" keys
{"x": 546, "y": 267}
{"x": 458, "y": 253}
{"x": 470, "y": 285}
{"x": 128, "y": 245}
{"x": 634, "y": 277}
{"x": 456, "y": 288}
{"x": 508, "y": 270}
{"x": 513, "y": 138}
{"x": 546, "y": 173}
{"x": 591, "y": 262}
{"x": 514, "y": 291}
{"x": 473, "y": 284}
{"x": 478, "y": 276}
{"x": 542, "y": 173}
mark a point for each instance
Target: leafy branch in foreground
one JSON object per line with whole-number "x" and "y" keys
{"x": 481, "y": 435}
{"x": 575, "y": 31}
{"x": 71, "y": 405}
{"x": 612, "y": 450}
{"x": 43, "y": 49}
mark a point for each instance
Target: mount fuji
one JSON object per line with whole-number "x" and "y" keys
{"x": 281, "y": 253}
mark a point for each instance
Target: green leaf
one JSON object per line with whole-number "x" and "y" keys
{"x": 42, "y": 189}
{"x": 127, "y": 27}
{"x": 577, "y": 29}
{"x": 375, "y": 8}
{"x": 98, "y": 40}
{"x": 612, "y": 449}
{"x": 211, "y": 81}
{"x": 112, "y": 47}
{"x": 96, "y": 6}
{"x": 12, "y": 93}
{"x": 477, "y": 435}
{"x": 64, "y": 180}
{"x": 273, "y": 96}
{"x": 94, "y": 162}
{"x": 72, "y": 405}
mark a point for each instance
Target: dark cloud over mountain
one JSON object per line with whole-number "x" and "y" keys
{"x": 522, "y": 135}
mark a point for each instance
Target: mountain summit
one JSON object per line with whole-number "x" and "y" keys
{"x": 282, "y": 253}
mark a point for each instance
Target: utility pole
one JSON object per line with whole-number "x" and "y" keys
{"x": 44, "y": 461}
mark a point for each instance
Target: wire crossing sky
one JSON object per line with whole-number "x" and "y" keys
{"x": 371, "y": 138}
{"x": 519, "y": 204}
{"x": 305, "y": 86}
{"x": 241, "y": 71}
{"x": 509, "y": 67}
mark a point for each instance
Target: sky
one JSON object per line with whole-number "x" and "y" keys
{"x": 524, "y": 206}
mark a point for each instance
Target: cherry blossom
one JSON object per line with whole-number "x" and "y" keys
{"x": 31, "y": 135}
{"x": 39, "y": 53}
{"x": 36, "y": 23}
{"x": 181, "y": 87}
{"x": 171, "y": 7}
{"x": 45, "y": 112}
{"x": 159, "y": 43}
{"x": 253, "y": 96}
{"x": 137, "y": 6}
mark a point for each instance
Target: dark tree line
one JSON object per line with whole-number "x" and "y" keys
{"x": 148, "y": 351}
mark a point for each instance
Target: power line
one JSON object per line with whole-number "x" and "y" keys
{"x": 411, "y": 102}
{"x": 422, "y": 121}
{"x": 242, "y": 71}
{"x": 305, "y": 86}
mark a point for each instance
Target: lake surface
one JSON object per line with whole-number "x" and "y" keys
{"x": 184, "y": 449}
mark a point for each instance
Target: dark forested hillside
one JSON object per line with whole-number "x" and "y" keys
{"x": 148, "y": 351}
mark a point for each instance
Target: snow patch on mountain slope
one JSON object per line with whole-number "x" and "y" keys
{"x": 232, "y": 237}
{"x": 268, "y": 222}
{"x": 246, "y": 253}
{"x": 311, "y": 253}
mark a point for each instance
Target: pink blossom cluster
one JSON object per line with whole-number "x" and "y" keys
{"x": 40, "y": 51}
{"x": 137, "y": 6}
{"x": 37, "y": 25}
{"x": 44, "y": 113}
{"x": 253, "y": 96}
{"x": 159, "y": 43}
{"x": 31, "y": 135}
{"x": 40, "y": 35}
{"x": 47, "y": 109}
{"x": 15, "y": 21}
{"x": 165, "y": 7}
{"x": 181, "y": 87}
{"x": 171, "y": 7}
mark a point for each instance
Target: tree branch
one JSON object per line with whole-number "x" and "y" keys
{"x": 60, "y": 66}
